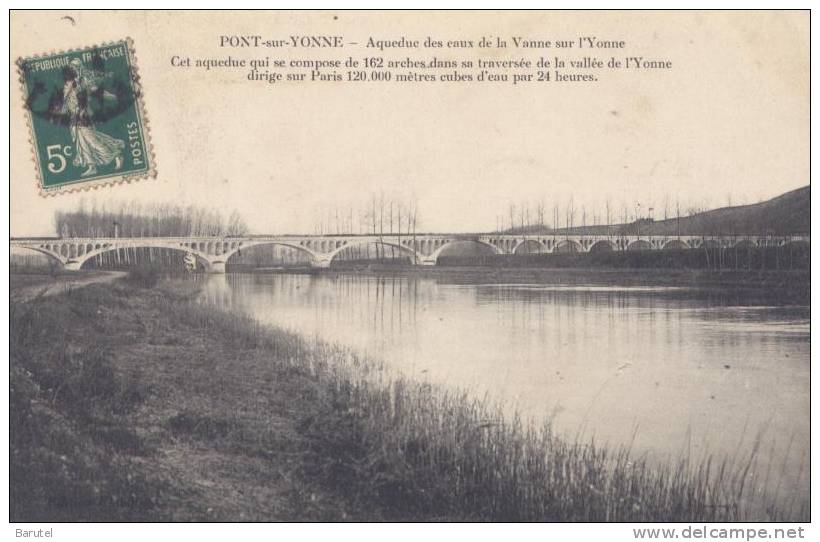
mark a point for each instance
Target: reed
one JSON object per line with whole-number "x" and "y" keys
{"x": 420, "y": 451}
{"x": 398, "y": 448}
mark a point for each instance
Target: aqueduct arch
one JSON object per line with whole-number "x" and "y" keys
{"x": 530, "y": 246}
{"x": 445, "y": 244}
{"x": 314, "y": 257}
{"x": 639, "y": 244}
{"x": 675, "y": 244}
{"x": 201, "y": 258}
{"x": 425, "y": 249}
{"x": 412, "y": 254}
{"x": 567, "y": 245}
{"x": 52, "y": 256}
{"x": 601, "y": 246}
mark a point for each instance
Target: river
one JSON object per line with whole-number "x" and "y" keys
{"x": 671, "y": 372}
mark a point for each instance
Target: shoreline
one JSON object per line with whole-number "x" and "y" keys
{"x": 193, "y": 404}
{"x": 780, "y": 287}
{"x": 794, "y": 284}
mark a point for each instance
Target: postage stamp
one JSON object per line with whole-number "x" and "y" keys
{"x": 86, "y": 117}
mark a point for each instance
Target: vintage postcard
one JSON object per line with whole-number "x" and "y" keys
{"x": 543, "y": 267}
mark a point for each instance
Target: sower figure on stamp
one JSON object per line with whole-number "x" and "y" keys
{"x": 92, "y": 147}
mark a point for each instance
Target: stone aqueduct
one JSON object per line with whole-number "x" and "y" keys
{"x": 214, "y": 252}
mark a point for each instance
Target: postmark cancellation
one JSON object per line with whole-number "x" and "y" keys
{"x": 86, "y": 117}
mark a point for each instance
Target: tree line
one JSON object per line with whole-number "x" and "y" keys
{"x": 785, "y": 214}
{"x": 379, "y": 215}
{"x": 539, "y": 217}
{"x": 132, "y": 219}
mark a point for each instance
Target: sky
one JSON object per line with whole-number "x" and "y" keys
{"x": 728, "y": 122}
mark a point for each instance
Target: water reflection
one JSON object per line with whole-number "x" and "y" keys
{"x": 680, "y": 371}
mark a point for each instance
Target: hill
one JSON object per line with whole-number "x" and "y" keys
{"x": 787, "y": 214}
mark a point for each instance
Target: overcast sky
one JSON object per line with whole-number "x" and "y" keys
{"x": 731, "y": 118}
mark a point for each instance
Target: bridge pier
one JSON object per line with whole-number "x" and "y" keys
{"x": 320, "y": 264}
{"x": 72, "y": 266}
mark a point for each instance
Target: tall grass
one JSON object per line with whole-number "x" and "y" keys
{"x": 421, "y": 451}
{"x": 405, "y": 449}
{"x": 65, "y": 411}
{"x": 144, "y": 276}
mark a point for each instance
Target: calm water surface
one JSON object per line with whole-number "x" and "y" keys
{"x": 672, "y": 371}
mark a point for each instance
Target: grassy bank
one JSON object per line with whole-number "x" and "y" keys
{"x": 136, "y": 403}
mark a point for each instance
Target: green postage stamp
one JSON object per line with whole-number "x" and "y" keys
{"x": 86, "y": 117}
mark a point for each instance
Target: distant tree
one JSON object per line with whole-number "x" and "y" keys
{"x": 134, "y": 220}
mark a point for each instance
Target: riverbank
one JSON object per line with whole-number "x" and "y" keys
{"x": 139, "y": 404}
{"x": 777, "y": 287}
{"x": 25, "y": 286}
